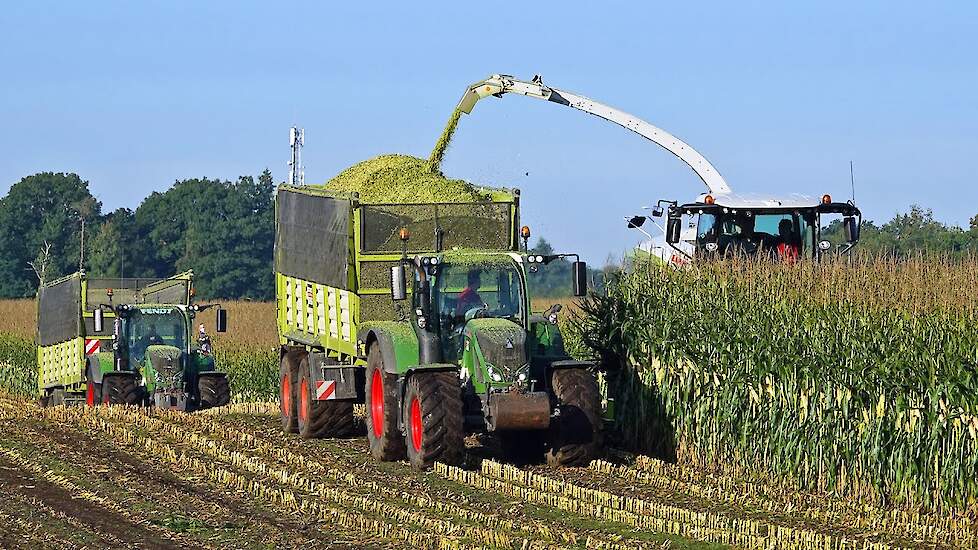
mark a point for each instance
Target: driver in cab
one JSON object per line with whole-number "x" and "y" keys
{"x": 469, "y": 297}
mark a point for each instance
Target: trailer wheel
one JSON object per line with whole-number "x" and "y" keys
{"x": 286, "y": 394}
{"x": 383, "y": 406}
{"x": 574, "y": 437}
{"x": 214, "y": 390}
{"x": 317, "y": 419}
{"x": 434, "y": 419}
{"x": 121, "y": 390}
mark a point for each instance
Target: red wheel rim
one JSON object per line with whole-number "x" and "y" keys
{"x": 304, "y": 401}
{"x": 377, "y": 403}
{"x": 286, "y": 397}
{"x": 416, "y": 431}
{"x": 90, "y": 394}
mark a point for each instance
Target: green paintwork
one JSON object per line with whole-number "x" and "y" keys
{"x": 403, "y": 340}
{"x": 544, "y": 339}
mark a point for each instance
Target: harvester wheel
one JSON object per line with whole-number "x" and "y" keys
{"x": 383, "y": 406}
{"x": 214, "y": 390}
{"x": 288, "y": 370}
{"x": 121, "y": 390}
{"x": 328, "y": 418}
{"x": 574, "y": 437}
{"x": 433, "y": 416}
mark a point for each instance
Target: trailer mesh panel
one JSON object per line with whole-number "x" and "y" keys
{"x": 436, "y": 227}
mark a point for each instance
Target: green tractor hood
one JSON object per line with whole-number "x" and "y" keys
{"x": 499, "y": 350}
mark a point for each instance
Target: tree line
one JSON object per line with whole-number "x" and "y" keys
{"x": 224, "y": 231}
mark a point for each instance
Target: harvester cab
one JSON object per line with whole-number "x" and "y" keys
{"x": 786, "y": 229}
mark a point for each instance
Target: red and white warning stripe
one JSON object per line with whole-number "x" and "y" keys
{"x": 91, "y": 346}
{"x": 325, "y": 390}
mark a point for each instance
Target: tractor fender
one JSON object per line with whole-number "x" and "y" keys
{"x": 398, "y": 347}
{"x": 570, "y": 364}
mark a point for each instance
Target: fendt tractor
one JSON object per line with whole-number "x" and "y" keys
{"x": 421, "y": 312}
{"x": 128, "y": 342}
{"x": 719, "y": 222}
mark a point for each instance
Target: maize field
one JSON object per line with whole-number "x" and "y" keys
{"x": 856, "y": 380}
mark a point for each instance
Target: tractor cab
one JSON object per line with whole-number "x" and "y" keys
{"x": 783, "y": 229}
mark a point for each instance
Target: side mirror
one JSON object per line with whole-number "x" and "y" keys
{"x": 851, "y": 228}
{"x": 398, "y": 284}
{"x": 99, "y": 320}
{"x": 636, "y": 221}
{"x": 657, "y": 212}
{"x": 674, "y": 228}
{"x": 824, "y": 245}
{"x": 222, "y": 319}
{"x": 579, "y": 271}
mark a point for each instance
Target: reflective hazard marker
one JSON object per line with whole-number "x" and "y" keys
{"x": 325, "y": 390}
{"x": 91, "y": 346}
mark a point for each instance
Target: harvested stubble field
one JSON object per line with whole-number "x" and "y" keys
{"x": 230, "y": 478}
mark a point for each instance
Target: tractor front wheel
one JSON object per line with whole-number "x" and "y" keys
{"x": 433, "y": 416}
{"x": 329, "y": 418}
{"x": 214, "y": 390}
{"x": 575, "y": 434}
{"x": 383, "y": 406}
{"x": 121, "y": 389}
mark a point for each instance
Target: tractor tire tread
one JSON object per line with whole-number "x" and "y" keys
{"x": 443, "y": 437}
{"x": 575, "y": 434}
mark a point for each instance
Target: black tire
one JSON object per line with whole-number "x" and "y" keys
{"x": 383, "y": 407}
{"x": 523, "y": 447}
{"x": 574, "y": 437}
{"x": 213, "y": 390}
{"x": 330, "y": 418}
{"x": 287, "y": 372}
{"x": 121, "y": 390}
{"x": 433, "y": 418}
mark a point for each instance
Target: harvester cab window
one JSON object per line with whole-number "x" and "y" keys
{"x": 153, "y": 327}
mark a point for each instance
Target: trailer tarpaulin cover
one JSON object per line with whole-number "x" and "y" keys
{"x": 59, "y": 308}
{"x": 312, "y": 238}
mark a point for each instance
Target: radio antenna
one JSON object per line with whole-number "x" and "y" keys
{"x": 297, "y": 174}
{"x": 852, "y": 183}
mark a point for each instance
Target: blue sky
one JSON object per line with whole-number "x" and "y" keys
{"x": 779, "y": 96}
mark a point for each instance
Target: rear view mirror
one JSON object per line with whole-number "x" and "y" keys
{"x": 222, "y": 319}
{"x": 674, "y": 227}
{"x": 824, "y": 245}
{"x": 99, "y": 320}
{"x": 398, "y": 284}
{"x": 636, "y": 221}
{"x": 579, "y": 272}
{"x": 851, "y": 228}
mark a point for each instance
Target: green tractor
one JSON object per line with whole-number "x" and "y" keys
{"x": 421, "y": 312}
{"x": 147, "y": 356}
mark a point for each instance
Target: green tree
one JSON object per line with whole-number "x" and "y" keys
{"x": 43, "y": 212}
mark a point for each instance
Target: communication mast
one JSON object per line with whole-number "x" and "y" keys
{"x": 297, "y": 174}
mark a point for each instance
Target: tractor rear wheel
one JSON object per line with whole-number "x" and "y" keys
{"x": 121, "y": 390}
{"x": 286, "y": 394}
{"x": 383, "y": 407}
{"x": 329, "y": 418}
{"x": 214, "y": 390}
{"x": 574, "y": 437}
{"x": 434, "y": 419}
